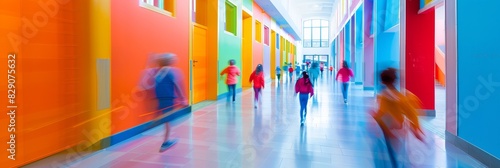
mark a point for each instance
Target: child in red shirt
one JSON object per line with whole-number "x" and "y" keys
{"x": 257, "y": 77}
{"x": 290, "y": 70}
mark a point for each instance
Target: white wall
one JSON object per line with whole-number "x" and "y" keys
{"x": 308, "y": 51}
{"x": 299, "y": 56}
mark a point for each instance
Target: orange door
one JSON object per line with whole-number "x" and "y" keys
{"x": 199, "y": 63}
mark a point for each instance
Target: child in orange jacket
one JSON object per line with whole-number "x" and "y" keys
{"x": 231, "y": 71}
{"x": 395, "y": 109}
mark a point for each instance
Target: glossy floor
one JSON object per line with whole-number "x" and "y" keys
{"x": 236, "y": 134}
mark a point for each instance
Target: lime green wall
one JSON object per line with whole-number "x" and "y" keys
{"x": 229, "y": 44}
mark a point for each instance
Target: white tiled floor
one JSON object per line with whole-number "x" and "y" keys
{"x": 237, "y": 135}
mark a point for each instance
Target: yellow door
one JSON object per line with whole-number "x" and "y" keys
{"x": 199, "y": 63}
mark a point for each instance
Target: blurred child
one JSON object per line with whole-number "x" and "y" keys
{"x": 314, "y": 72}
{"x": 321, "y": 69}
{"x": 231, "y": 71}
{"x": 168, "y": 88}
{"x": 278, "y": 73}
{"x": 345, "y": 73}
{"x": 395, "y": 111}
{"x": 257, "y": 77}
{"x": 305, "y": 90}
{"x": 297, "y": 71}
{"x": 290, "y": 72}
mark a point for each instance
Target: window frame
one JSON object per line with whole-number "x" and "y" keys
{"x": 267, "y": 35}
{"x": 149, "y": 4}
{"x": 310, "y": 43}
{"x": 234, "y": 19}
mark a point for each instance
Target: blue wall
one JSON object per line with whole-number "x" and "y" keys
{"x": 478, "y": 74}
{"x": 347, "y": 42}
{"x": 387, "y": 45}
{"x": 391, "y": 14}
{"x": 333, "y": 53}
{"x": 359, "y": 46}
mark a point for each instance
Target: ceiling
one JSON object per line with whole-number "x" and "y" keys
{"x": 311, "y": 8}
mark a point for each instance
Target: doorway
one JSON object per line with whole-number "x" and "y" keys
{"x": 317, "y": 58}
{"x": 204, "y": 52}
{"x": 247, "y": 54}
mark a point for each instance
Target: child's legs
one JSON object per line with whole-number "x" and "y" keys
{"x": 344, "y": 89}
{"x": 228, "y": 92}
{"x": 231, "y": 90}
{"x": 394, "y": 146}
{"x": 166, "y": 105}
{"x": 233, "y": 87}
{"x": 257, "y": 92}
{"x": 167, "y": 132}
{"x": 303, "y": 104}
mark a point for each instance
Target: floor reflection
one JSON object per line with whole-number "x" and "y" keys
{"x": 236, "y": 134}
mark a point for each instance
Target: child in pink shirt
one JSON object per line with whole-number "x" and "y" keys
{"x": 231, "y": 71}
{"x": 304, "y": 88}
{"x": 345, "y": 75}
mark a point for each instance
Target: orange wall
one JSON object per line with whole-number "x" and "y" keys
{"x": 247, "y": 49}
{"x": 137, "y": 32}
{"x": 52, "y": 79}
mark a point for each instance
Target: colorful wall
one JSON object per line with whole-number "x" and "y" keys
{"x": 234, "y": 48}
{"x": 56, "y": 84}
{"x": 420, "y": 49}
{"x": 368, "y": 80}
{"x": 258, "y": 42}
{"x": 386, "y": 44}
{"x": 133, "y": 39}
{"x": 478, "y": 74}
{"x": 79, "y": 64}
{"x": 359, "y": 72}
{"x": 440, "y": 44}
{"x": 230, "y": 45}
{"x": 347, "y": 42}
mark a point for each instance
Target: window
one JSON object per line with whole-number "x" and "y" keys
{"x": 230, "y": 20}
{"x": 166, "y": 7}
{"x": 316, "y": 33}
{"x": 199, "y": 14}
{"x": 258, "y": 31}
{"x": 266, "y": 35}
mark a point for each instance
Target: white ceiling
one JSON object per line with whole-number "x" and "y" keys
{"x": 311, "y": 8}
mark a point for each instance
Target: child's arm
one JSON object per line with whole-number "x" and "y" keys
{"x": 251, "y": 77}
{"x": 223, "y": 71}
{"x": 238, "y": 72}
{"x": 297, "y": 87}
{"x": 179, "y": 87}
{"x": 263, "y": 82}
{"x": 311, "y": 90}
{"x": 337, "y": 76}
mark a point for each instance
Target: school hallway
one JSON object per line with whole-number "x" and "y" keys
{"x": 228, "y": 135}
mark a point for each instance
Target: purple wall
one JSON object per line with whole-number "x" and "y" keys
{"x": 368, "y": 45}
{"x": 267, "y": 62}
